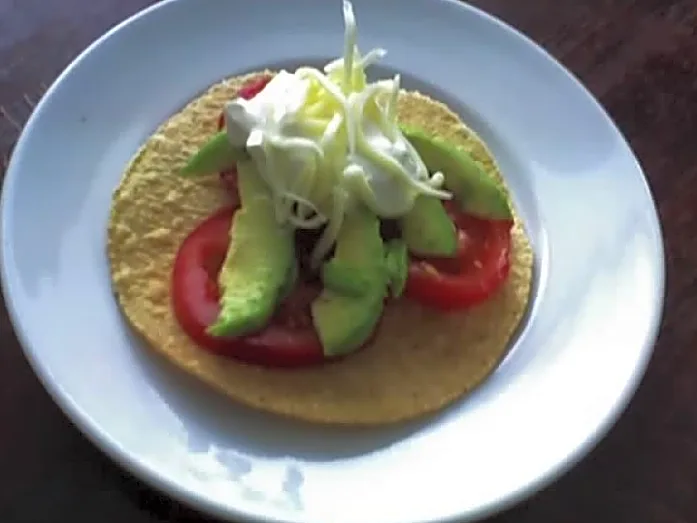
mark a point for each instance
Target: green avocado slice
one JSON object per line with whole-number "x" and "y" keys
{"x": 475, "y": 191}
{"x": 355, "y": 281}
{"x": 217, "y": 154}
{"x": 396, "y": 262}
{"x": 345, "y": 279}
{"x": 345, "y": 323}
{"x": 428, "y": 230}
{"x": 259, "y": 263}
{"x": 358, "y": 261}
{"x": 355, "y": 285}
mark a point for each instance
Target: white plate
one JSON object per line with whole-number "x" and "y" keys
{"x": 599, "y": 278}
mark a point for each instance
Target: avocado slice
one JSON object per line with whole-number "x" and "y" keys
{"x": 352, "y": 280}
{"x": 358, "y": 257}
{"x": 217, "y": 154}
{"x": 396, "y": 262}
{"x": 344, "y": 323}
{"x": 258, "y": 264}
{"x": 427, "y": 228}
{"x": 349, "y": 307}
{"x": 345, "y": 279}
{"x": 475, "y": 191}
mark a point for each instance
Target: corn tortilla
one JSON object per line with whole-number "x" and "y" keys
{"x": 420, "y": 360}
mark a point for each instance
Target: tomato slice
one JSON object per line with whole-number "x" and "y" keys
{"x": 289, "y": 340}
{"x": 480, "y": 267}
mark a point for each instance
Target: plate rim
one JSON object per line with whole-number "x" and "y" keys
{"x": 151, "y": 476}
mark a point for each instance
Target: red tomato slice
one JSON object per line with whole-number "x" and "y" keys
{"x": 254, "y": 87}
{"x": 480, "y": 267}
{"x": 289, "y": 340}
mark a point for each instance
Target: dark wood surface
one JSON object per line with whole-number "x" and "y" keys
{"x": 639, "y": 57}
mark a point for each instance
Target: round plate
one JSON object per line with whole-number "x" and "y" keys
{"x": 598, "y": 288}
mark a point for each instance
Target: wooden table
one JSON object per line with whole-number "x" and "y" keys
{"x": 638, "y": 56}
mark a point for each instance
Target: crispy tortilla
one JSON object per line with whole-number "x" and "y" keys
{"x": 420, "y": 360}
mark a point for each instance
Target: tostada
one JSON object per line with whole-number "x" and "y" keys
{"x": 320, "y": 246}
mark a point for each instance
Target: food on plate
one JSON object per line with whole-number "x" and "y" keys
{"x": 320, "y": 246}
